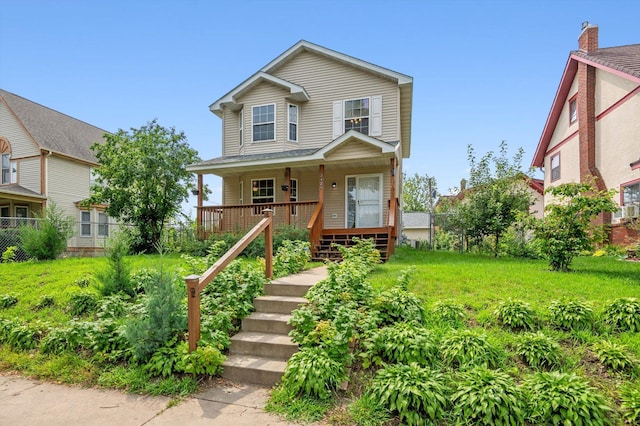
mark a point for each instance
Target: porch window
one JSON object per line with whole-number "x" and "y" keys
{"x": 293, "y": 123}
{"x": 262, "y": 191}
{"x": 85, "y": 224}
{"x": 264, "y": 122}
{"x": 555, "y": 167}
{"x": 356, "y": 115}
{"x": 4, "y": 212}
{"x": 22, "y": 213}
{"x": 103, "y": 225}
{"x": 293, "y": 196}
{"x": 241, "y": 126}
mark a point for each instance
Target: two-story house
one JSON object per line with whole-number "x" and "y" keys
{"x": 319, "y": 137}
{"x": 46, "y": 157}
{"x": 593, "y": 128}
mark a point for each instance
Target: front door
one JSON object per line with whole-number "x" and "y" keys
{"x": 364, "y": 201}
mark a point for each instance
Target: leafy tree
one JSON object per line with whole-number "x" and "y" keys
{"x": 143, "y": 178}
{"x": 498, "y": 194}
{"x": 567, "y": 226}
{"x": 418, "y": 192}
{"x": 48, "y": 240}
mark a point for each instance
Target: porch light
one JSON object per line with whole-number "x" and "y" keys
{"x": 334, "y": 185}
{"x": 255, "y": 186}
{"x": 285, "y": 188}
{"x": 195, "y": 192}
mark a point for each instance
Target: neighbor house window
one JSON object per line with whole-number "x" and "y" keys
{"x": 4, "y": 212}
{"x": 573, "y": 110}
{"x": 356, "y": 115}
{"x": 22, "y": 213}
{"x": 293, "y": 123}
{"x": 264, "y": 122}
{"x": 241, "y": 127}
{"x": 631, "y": 194}
{"x": 555, "y": 167}
{"x": 103, "y": 225}
{"x": 85, "y": 224}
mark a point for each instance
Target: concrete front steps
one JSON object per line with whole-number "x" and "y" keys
{"x": 259, "y": 353}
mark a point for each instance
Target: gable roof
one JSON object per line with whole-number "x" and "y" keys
{"x": 296, "y": 157}
{"x": 405, "y": 83}
{"x": 52, "y": 130}
{"x": 623, "y": 61}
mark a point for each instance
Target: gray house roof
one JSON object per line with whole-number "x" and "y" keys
{"x": 625, "y": 59}
{"x": 52, "y": 130}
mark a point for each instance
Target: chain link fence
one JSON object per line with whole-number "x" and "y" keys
{"x": 10, "y": 236}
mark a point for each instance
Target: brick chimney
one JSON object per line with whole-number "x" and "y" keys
{"x": 588, "y": 40}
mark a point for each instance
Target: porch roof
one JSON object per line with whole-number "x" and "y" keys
{"x": 11, "y": 191}
{"x": 231, "y": 164}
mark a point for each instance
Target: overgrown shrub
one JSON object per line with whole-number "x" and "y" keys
{"x": 539, "y": 351}
{"x": 7, "y": 301}
{"x": 49, "y": 238}
{"x": 25, "y": 337}
{"x": 312, "y": 372}
{"x": 613, "y": 355}
{"x": 564, "y": 398}
{"x": 117, "y": 277}
{"x": 516, "y": 315}
{"x": 623, "y": 314}
{"x": 164, "y": 361}
{"x": 404, "y": 343}
{"x": 291, "y": 258}
{"x": 486, "y": 397}
{"x": 45, "y": 301}
{"x": 416, "y": 394}
{"x": 450, "y": 313}
{"x": 82, "y": 303}
{"x": 204, "y": 360}
{"x": 571, "y": 315}
{"x": 630, "y": 396}
{"x": 74, "y": 336}
{"x": 397, "y": 305}
{"x": 164, "y": 316}
{"x": 466, "y": 348}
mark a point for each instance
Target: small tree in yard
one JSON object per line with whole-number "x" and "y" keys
{"x": 566, "y": 229}
{"x": 49, "y": 239}
{"x": 418, "y": 192}
{"x": 143, "y": 179}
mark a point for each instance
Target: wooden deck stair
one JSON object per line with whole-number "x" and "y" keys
{"x": 259, "y": 353}
{"x": 325, "y": 249}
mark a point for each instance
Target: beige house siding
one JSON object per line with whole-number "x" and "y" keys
{"x": 317, "y": 75}
{"x": 29, "y": 173}
{"x": 416, "y": 234}
{"x": 21, "y": 144}
{"x": 569, "y": 165}
{"x": 352, "y": 151}
{"x": 563, "y": 129}
{"x": 68, "y": 182}
{"x": 610, "y": 89}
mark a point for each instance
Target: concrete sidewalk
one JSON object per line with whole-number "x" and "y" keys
{"x": 31, "y": 402}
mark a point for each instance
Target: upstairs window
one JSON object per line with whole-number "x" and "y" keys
{"x": 356, "y": 115}
{"x": 573, "y": 110}
{"x": 264, "y": 123}
{"x": 293, "y": 123}
{"x": 8, "y": 168}
{"x": 555, "y": 167}
{"x": 241, "y": 127}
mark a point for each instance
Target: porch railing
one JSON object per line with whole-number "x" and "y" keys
{"x": 195, "y": 283}
{"x": 315, "y": 226}
{"x": 242, "y": 217}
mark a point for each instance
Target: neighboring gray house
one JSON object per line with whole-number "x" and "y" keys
{"x": 416, "y": 227}
{"x": 46, "y": 156}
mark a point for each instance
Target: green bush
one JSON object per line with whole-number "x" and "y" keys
{"x": 311, "y": 372}
{"x": 25, "y": 336}
{"x": 539, "y": 351}
{"x": 164, "y": 317}
{"x": 117, "y": 277}
{"x": 71, "y": 338}
{"x": 398, "y": 305}
{"x": 82, "y": 303}
{"x": 45, "y": 302}
{"x": 516, "y": 315}
{"x": 623, "y": 314}
{"x": 630, "y": 396}
{"x": 448, "y": 312}
{"x": 562, "y": 399}
{"x": 405, "y": 343}
{"x": 7, "y": 301}
{"x": 613, "y": 356}
{"x": 204, "y": 360}
{"x": 49, "y": 238}
{"x": 417, "y": 395}
{"x": 9, "y": 238}
{"x": 487, "y": 397}
{"x": 164, "y": 361}
{"x": 291, "y": 258}
{"x": 466, "y": 348}
{"x": 571, "y": 315}
{"x": 9, "y": 255}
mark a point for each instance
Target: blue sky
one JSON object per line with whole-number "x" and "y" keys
{"x": 484, "y": 71}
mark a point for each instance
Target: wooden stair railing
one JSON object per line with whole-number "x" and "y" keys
{"x": 195, "y": 283}
{"x": 315, "y": 226}
{"x": 392, "y": 226}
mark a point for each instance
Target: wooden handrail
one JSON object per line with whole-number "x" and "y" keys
{"x": 315, "y": 225}
{"x": 195, "y": 283}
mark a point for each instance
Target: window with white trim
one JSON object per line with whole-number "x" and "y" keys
{"x": 573, "y": 110}
{"x": 85, "y": 223}
{"x": 22, "y": 212}
{"x": 356, "y": 115}
{"x": 555, "y": 167}
{"x": 241, "y": 127}
{"x": 241, "y": 200}
{"x": 293, "y": 195}
{"x": 293, "y": 123}
{"x": 262, "y": 191}
{"x": 263, "y": 121}
{"x": 631, "y": 194}
{"x": 9, "y": 170}
{"x": 103, "y": 225}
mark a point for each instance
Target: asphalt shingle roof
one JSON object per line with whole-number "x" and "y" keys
{"x": 53, "y": 130}
{"x": 622, "y": 58}
{"x": 257, "y": 157}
